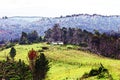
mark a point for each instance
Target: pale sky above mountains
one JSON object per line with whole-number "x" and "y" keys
{"x": 53, "y": 8}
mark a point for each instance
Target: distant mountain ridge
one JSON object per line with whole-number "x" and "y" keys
{"x": 13, "y": 26}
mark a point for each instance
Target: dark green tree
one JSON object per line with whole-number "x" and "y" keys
{"x": 70, "y": 35}
{"x": 76, "y": 39}
{"x": 48, "y": 35}
{"x": 64, "y": 35}
{"x": 97, "y": 32}
{"x": 23, "y": 71}
{"x": 40, "y": 39}
{"x": 56, "y": 33}
{"x": 33, "y": 36}
{"x": 41, "y": 67}
{"x": 95, "y": 43}
{"x": 12, "y": 53}
{"x": 23, "y": 38}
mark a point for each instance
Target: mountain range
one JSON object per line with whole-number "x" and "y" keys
{"x": 11, "y": 27}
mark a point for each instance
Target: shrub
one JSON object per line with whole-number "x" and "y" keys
{"x": 85, "y": 75}
{"x": 47, "y": 42}
{"x": 14, "y": 70}
{"x": 45, "y": 48}
{"x": 41, "y": 50}
{"x": 101, "y": 72}
{"x": 70, "y": 47}
{"x": 83, "y": 44}
{"x": 12, "y": 53}
{"x": 93, "y": 72}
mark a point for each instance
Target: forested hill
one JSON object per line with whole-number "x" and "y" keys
{"x": 12, "y": 27}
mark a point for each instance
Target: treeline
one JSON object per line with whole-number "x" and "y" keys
{"x": 68, "y": 36}
{"x": 106, "y": 45}
{"x": 29, "y": 38}
{"x": 102, "y": 44}
{"x": 26, "y": 38}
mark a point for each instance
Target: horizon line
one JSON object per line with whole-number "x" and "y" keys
{"x": 62, "y": 15}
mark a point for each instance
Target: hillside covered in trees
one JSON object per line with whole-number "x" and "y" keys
{"x": 12, "y": 27}
{"x": 96, "y": 42}
{"x": 101, "y": 44}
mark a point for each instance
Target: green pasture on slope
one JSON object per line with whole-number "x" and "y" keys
{"x": 67, "y": 64}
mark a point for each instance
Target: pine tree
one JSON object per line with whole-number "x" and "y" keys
{"x": 12, "y": 53}
{"x": 33, "y": 36}
{"x": 64, "y": 35}
{"x": 56, "y": 33}
{"x": 41, "y": 67}
{"x": 23, "y": 38}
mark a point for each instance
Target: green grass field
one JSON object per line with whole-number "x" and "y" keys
{"x": 67, "y": 64}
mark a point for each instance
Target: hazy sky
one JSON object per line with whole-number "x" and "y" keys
{"x": 52, "y": 8}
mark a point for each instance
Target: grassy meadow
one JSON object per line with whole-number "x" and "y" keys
{"x": 67, "y": 64}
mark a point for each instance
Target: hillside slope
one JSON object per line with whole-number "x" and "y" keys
{"x": 13, "y": 26}
{"x": 67, "y": 64}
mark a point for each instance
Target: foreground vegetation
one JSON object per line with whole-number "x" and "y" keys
{"x": 67, "y": 62}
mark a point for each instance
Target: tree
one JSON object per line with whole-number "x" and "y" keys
{"x": 95, "y": 43}
{"x": 48, "y": 35}
{"x": 40, "y": 39}
{"x": 76, "y": 39}
{"x": 97, "y": 32}
{"x": 32, "y": 55}
{"x": 70, "y": 35}
{"x": 12, "y": 53}
{"x": 22, "y": 70}
{"x": 64, "y": 35}
{"x": 5, "y": 17}
{"x": 56, "y": 33}
{"x": 41, "y": 67}
{"x": 33, "y": 36}
{"x": 23, "y": 38}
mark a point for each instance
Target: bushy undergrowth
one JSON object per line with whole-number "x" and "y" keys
{"x": 100, "y": 72}
{"x": 15, "y": 70}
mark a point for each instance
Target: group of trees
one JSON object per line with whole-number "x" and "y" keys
{"x": 104, "y": 44}
{"x": 68, "y": 36}
{"x": 36, "y": 70}
{"x": 101, "y": 43}
{"x": 4, "y": 17}
{"x": 29, "y": 38}
{"x": 39, "y": 64}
